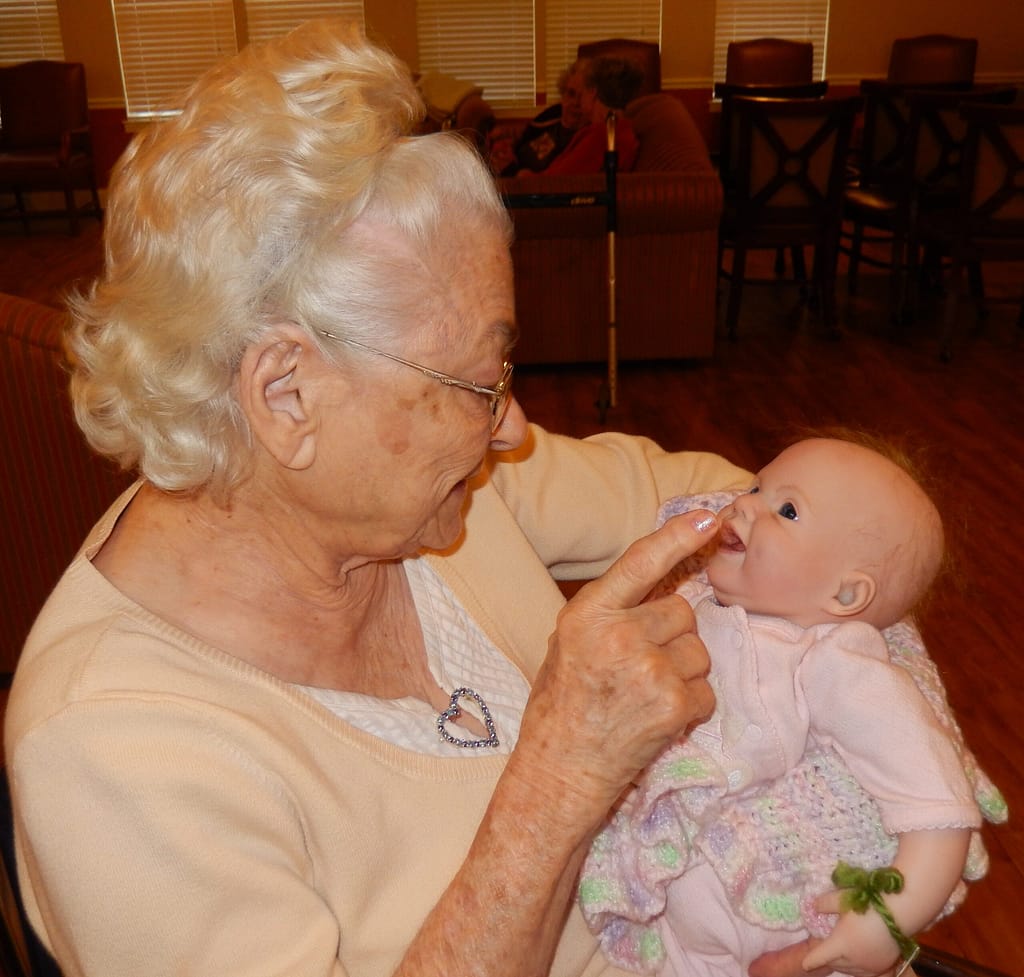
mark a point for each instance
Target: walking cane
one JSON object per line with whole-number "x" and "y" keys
{"x": 609, "y": 391}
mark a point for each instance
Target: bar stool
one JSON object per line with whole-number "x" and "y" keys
{"x": 932, "y": 59}
{"x": 789, "y": 176}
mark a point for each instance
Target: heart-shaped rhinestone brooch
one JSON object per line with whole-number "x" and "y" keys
{"x": 452, "y": 713}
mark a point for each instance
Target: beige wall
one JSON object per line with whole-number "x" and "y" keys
{"x": 392, "y": 23}
{"x": 87, "y": 27}
{"x": 860, "y": 33}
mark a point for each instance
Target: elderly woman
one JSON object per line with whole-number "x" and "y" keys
{"x": 616, "y": 82}
{"x": 308, "y": 701}
{"x": 551, "y": 130}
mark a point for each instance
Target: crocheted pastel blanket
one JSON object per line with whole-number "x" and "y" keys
{"x": 773, "y": 848}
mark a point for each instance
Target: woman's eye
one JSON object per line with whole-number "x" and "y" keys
{"x": 754, "y": 490}
{"x": 788, "y": 511}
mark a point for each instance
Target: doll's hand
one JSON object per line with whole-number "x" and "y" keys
{"x": 930, "y": 862}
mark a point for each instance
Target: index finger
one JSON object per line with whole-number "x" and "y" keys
{"x": 634, "y": 574}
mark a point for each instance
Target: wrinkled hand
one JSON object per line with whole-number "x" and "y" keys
{"x": 860, "y": 946}
{"x": 789, "y": 962}
{"x": 623, "y": 676}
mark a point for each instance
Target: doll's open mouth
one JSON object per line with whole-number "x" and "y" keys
{"x": 729, "y": 540}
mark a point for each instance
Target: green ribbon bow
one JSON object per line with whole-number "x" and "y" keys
{"x": 863, "y": 890}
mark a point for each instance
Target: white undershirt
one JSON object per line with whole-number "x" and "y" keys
{"x": 459, "y": 655}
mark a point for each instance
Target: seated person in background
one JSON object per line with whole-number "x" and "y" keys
{"x": 551, "y": 130}
{"x": 834, "y": 542}
{"x": 616, "y": 82}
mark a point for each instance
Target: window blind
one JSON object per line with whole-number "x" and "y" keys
{"x": 164, "y": 45}
{"x": 269, "y": 18}
{"x": 570, "y": 23}
{"x": 29, "y": 30}
{"x": 794, "y": 20}
{"x": 490, "y": 44}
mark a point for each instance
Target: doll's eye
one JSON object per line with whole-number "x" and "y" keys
{"x": 788, "y": 511}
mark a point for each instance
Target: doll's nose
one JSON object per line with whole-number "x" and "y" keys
{"x": 745, "y": 505}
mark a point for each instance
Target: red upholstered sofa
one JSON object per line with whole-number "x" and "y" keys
{"x": 666, "y": 252}
{"x": 52, "y": 487}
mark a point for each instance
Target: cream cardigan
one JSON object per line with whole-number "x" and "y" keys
{"x": 180, "y": 812}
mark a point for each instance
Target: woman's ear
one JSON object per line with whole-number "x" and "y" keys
{"x": 856, "y": 592}
{"x": 277, "y": 392}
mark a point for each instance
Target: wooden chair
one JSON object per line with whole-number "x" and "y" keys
{"x": 726, "y": 92}
{"x": 21, "y": 952}
{"x": 872, "y": 199}
{"x": 727, "y": 142}
{"x": 988, "y": 223}
{"x": 52, "y": 486}
{"x": 932, "y": 59}
{"x": 909, "y": 162}
{"x": 646, "y": 55}
{"x": 788, "y": 193}
{"x": 769, "y": 61}
{"x": 44, "y": 139}
{"x": 765, "y": 67}
{"x": 935, "y": 143}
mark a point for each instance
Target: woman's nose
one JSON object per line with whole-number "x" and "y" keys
{"x": 511, "y": 432}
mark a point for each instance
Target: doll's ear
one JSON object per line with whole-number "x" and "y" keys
{"x": 856, "y": 591}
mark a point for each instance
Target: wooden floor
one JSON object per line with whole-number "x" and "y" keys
{"x": 781, "y": 376}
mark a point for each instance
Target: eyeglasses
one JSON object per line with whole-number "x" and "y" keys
{"x": 498, "y": 396}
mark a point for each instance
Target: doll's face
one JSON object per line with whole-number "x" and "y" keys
{"x": 823, "y": 535}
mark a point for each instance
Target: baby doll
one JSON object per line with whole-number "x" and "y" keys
{"x": 694, "y": 875}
